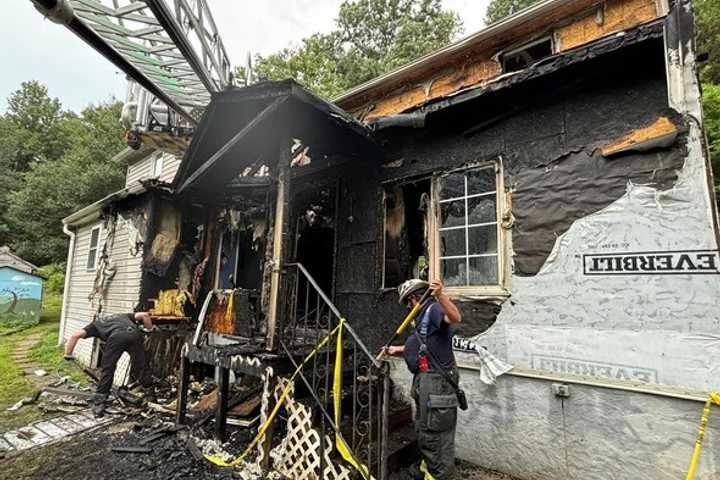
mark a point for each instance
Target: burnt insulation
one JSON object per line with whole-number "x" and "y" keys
{"x": 548, "y": 131}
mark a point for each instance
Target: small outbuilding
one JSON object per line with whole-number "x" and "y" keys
{"x": 21, "y": 289}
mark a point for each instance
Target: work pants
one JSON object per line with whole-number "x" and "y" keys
{"x": 435, "y": 421}
{"x": 129, "y": 341}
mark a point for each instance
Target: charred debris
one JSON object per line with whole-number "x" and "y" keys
{"x": 287, "y": 210}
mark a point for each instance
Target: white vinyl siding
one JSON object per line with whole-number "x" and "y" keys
{"x": 148, "y": 168}
{"x": 123, "y": 290}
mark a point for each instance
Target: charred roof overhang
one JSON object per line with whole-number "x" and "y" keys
{"x": 554, "y": 75}
{"x": 247, "y": 126}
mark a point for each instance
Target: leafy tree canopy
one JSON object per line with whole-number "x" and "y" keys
{"x": 52, "y": 163}
{"x": 35, "y": 128}
{"x": 708, "y": 38}
{"x": 499, "y": 9}
{"x": 711, "y": 108}
{"x": 370, "y": 38}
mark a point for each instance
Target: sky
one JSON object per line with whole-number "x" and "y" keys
{"x": 37, "y": 49}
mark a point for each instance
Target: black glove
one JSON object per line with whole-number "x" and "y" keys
{"x": 69, "y": 358}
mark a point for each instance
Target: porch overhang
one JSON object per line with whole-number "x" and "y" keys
{"x": 248, "y": 127}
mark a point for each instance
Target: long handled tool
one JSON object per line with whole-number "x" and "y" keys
{"x": 408, "y": 320}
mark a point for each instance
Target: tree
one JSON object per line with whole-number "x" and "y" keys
{"x": 707, "y": 15}
{"x": 35, "y": 127}
{"x": 711, "y": 109}
{"x": 51, "y": 190}
{"x": 499, "y": 9}
{"x": 370, "y": 38}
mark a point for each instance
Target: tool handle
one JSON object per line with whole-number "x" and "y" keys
{"x": 408, "y": 319}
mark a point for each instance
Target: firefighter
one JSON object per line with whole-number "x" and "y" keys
{"x": 121, "y": 333}
{"x": 429, "y": 357}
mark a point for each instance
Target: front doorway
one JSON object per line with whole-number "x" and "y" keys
{"x": 314, "y": 216}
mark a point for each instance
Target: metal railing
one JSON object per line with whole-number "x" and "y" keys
{"x": 310, "y": 316}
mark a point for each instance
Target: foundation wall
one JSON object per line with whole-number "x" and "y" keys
{"x": 519, "y": 427}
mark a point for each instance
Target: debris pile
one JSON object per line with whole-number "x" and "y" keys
{"x": 138, "y": 433}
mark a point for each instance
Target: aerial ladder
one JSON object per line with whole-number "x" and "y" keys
{"x": 171, "y": 52}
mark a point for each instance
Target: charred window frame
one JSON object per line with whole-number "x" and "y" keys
{"x": 406, "y": 211}
{"x": 93, "y": 248}
{"x": 526, "y": 55}
{"x": 468, "y": 241}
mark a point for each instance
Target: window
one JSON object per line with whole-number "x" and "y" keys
{"x": 92, "y": 258}
{"x": 527, "y": 55}
{"x": 468, "y": 232}
{"x": 158, "y": 165}
{"x": 405, "y": 246}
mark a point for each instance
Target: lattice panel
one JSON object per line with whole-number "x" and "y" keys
{"x": 298, "y": 454}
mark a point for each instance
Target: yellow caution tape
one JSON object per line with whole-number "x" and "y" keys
{"x": 261, "y": 432}
{"x": 340, "y": 443}
{"x": 424, "y": 470}
{"x": 714, "y": 398}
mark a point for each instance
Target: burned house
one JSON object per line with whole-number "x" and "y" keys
{"x": 550, "y": 169}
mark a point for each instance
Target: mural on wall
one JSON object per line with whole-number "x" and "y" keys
{"x": 20, "y": 296}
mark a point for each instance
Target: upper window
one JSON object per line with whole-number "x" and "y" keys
{"x": 92, "y": 257}
{"x": 158, "y": 165}
{"x": 527, "y": 55}
{"x": 467, "y": 228}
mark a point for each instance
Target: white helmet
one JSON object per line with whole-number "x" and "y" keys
{"x": 411, "y": 286}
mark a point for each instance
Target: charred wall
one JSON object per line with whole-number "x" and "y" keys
{"x": 552, "y": 134}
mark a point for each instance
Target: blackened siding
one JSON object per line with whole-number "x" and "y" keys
{"x": 548, "y": 133}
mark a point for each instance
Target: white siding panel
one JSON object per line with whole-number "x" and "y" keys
{"x": 170, "y": 168}
{"x": 122, "y": 295}
{"x": 144, "y": 169}
{"x": 140, "y": 170}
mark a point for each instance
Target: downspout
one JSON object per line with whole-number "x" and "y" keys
{"x": 66, "y": 286}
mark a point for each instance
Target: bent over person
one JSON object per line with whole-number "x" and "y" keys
{"x": 429, "y": 357}
{"x": 120, "y": 333}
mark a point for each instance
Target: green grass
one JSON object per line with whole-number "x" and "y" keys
{"x": 14, "y": 385}
{"x": 50, "y": 357}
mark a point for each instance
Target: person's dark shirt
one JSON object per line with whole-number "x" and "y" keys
{"x": 105, "y": 326}
{"x": 437, "y": 335}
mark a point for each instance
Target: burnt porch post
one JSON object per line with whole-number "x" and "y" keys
{"x": 182, "y": 390}
{"x": 281, "y": 234}
{"x": 222, "y": 404}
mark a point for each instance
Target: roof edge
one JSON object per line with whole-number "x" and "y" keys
{"x": 502, "y": 26}
{"x": 93, "y": 210}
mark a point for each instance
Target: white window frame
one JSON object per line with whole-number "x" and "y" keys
{"x": 495, "y": 290}
{"x": 158, "y": 164}
{"x": 97, "y": 248}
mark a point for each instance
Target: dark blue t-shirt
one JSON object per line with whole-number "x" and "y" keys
{"x": 437, "y": 335}
{"x": 103, "y": 327}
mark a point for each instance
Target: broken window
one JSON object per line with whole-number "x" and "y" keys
{"x": 92, "y": 257}
{"x": 406, "y": 207}
{"x": 527, "y": 55}
{"x": 468, "y": 230}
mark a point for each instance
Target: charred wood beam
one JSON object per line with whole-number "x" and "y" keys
{"x": 546, "y": 66}
{"x": 237, "y": 138}
{"x": 222, "y": 405}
